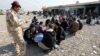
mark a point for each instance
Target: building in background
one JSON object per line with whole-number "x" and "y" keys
{"x": 81, "y": 9}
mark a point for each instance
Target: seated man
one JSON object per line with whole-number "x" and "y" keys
{"x": 60, "y": 33}
{"x": 80, "y": 24}
{"x": 34, "y": 20}
{"x": 93, "y": 21}
{"x": 88, "y": 21}
{"x": 41, "y": 27}
{"x": 48, "y": 41}
{"x": 29, "y": 34}
{"x": 64, "y": 24}
{"x": 73, "y": 27}
{"x": 47, "y": 22}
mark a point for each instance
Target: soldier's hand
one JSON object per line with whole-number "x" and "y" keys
{"x": 26, "y": 20}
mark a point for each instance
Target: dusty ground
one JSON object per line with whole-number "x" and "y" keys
{"x": 85, "y": 43}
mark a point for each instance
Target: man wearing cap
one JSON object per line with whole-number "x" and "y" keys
{"x": 14, "y": 27}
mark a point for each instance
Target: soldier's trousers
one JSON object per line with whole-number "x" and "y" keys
{"x": 19, "y": 44}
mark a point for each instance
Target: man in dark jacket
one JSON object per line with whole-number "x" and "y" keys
{"x": 29, "y": 34}
{"x": 49, "y": 39}
{"x": 64, "y": 24}
{"x": 80, "y": 24}
{"x": 60, "y": 33}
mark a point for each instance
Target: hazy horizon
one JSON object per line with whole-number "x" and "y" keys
{"x": 30, "y": 5}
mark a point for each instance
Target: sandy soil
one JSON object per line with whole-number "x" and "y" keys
{"x": 85, "y": 43}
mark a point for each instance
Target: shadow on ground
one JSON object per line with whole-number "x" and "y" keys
{"x": 31, "y": 50}
{"x": 6, "y": 49}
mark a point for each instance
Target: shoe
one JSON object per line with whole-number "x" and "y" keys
{"x": 46, "y": 51}
{"x": 56, "y": 46}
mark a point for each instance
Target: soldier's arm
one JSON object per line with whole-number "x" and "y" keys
{"x": 16, "y": 22}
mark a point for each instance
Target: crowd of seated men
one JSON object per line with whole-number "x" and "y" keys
{"x": 48, "y": 36}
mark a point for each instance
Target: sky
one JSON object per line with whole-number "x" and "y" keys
{"x": 30, "y": 5}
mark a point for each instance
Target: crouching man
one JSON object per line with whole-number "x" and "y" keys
{"x": 29, "y": 34}
{"x": 49, "y": 40}
{"x": 73, "y": 27}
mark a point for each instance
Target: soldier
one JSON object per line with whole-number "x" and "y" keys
{"x": 14, "y": 27}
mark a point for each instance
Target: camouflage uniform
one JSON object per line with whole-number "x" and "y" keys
{"x": 14, "y": 27}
